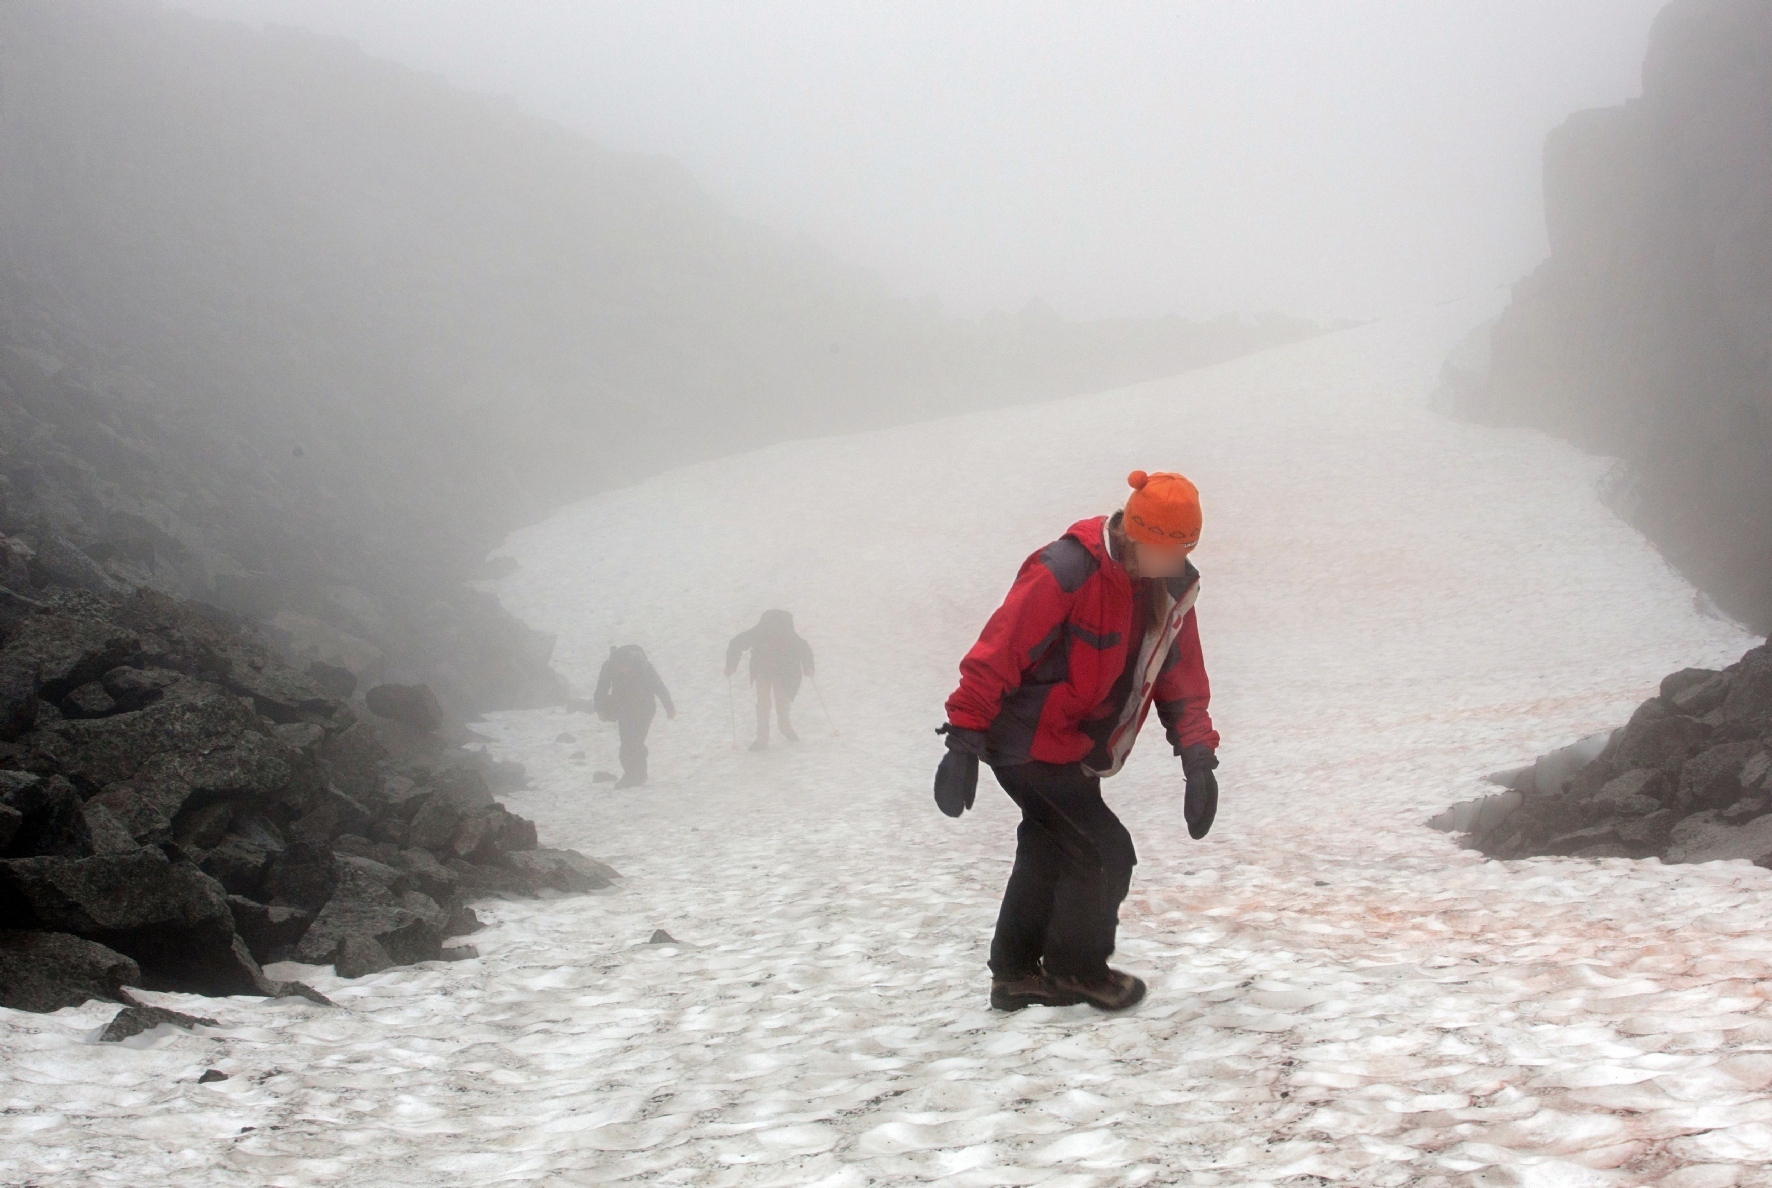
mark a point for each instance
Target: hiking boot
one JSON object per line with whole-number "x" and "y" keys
{"x": 761, "y": 744}
{"x": 628, "y": 781}
{"x": 1012, "y": 994}
{"x": 1110, "y": 991}
{"x": 787, "y": 732}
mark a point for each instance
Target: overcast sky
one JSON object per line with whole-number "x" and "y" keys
{"x": 1334, "y": 158}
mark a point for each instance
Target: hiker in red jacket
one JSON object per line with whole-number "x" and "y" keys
{"x": 1097, "y": 628}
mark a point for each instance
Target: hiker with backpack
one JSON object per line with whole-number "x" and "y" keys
{"x": 1098, "y": 627}
{"x": 779, "y": 658}
{"x": 629, "y": 692}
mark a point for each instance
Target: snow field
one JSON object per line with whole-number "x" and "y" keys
{"x": 1392, "y": 605}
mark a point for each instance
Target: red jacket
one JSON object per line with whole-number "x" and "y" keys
{"x": 1041, "y": 679}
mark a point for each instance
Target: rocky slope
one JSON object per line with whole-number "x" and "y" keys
{"x": 1647, "y": 334}
{"x": 1687, "y": 779}
{"x": 179, "y": 807}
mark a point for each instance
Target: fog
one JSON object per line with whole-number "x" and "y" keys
{"x": 1329, "y": 158}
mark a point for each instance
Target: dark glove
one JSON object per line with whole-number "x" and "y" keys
{"x": 1202, "y": 788}
{"x": 956, "y": 780}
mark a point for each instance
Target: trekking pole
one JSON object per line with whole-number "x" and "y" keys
{"x": 732, "y": 710}
{"x": 822, "y": 706}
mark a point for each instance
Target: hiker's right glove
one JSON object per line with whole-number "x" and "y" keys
{"x": 956, "y": 780}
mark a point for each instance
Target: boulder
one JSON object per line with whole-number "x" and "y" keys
{"x": 45, "y": 971}
{"x": 270, "y": 930}
{"x": 1700, "y": 698}
{"x": 560, "y": 870}
{"x": 435, "y": 825}
{"x": 1659, "y": 739}
{"x": 51, "y": 817}
{"x": 302, "y": 875}
{"x": 1676, "y": 683}
{"x": 335, "y": 813}
{"x": 1748, "y": 707}
{"x": 352, "y": 759}
{"x": 410, "y": 705}
{"x": 429, "y": 875}
{"x": 18, "y": 698}
{"x": 279, "y": 692}
{"x": 138, "y": 688}
{"x": 197, "y": 741}
{"x": 138, "y": 1017}
{"x": 1705, "y": 837}
{"x": 334, "y": 680}
{"x": 57, "y": 561}
{"x": 169, "y": 916}
{"x": 144, "y": 823}
{"x": 89, "y": 701}
{"x": 1636, "y": 793}
{"x": 198, "y": 828}
{"x": 1650, "y": 834}
{"x": 358, "y": 955}
{"x": 239, "y": 863}
{"x": 66, "y": 652}
{"x": 108, "y": 834}
{"x": 1712, "y": 778}
{"x": 408, "y": 926}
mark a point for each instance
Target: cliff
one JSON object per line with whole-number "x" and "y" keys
{"x": 1647, "y": 334}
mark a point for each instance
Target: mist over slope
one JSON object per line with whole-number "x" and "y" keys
{"x": 306, "y": 333}
{"x": 1648, "y": 332}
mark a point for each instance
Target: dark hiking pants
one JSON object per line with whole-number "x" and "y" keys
{"x": 1073, "y": 866}
{"x": 633, "y": 730}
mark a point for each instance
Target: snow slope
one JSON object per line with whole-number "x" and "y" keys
{"x": 1393, "y": 604}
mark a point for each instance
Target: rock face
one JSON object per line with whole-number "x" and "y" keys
{"x": 1687, "y": 779}
{"x": 1646, "y": 334}
{"x": 184, "y": 806}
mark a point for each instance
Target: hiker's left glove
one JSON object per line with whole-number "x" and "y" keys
{"x": 956, "y": 780}
{"x": 1201, "y": 805}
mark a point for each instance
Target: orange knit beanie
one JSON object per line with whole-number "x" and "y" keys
{"x": 1164, "y": 510}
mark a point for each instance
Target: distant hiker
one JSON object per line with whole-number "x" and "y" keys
{"x": 779, "y": 658}
{"x": 1098, "y": 626}
{"x": 626, "y": 692}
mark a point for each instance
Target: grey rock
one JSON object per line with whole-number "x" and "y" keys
{"x": 147, "y": 825}
{"x": 364, "y": 906}
{"x": 410, "y": 705}
{"x": 303, "y": 875}
{"x": 560, "y": 870}
{"x": 88, "y": 701}
{"x": 428, "y": 875}
{"x": 1656, "y": 738}
{"x": 332, "y": 679}
{"x": 1636, "y": 793}
{"x": 435, "y": 825}
{"x": 359, "y": 955}
{"x": 45, "y": 971}
{"x": 1701, "y": 698}
{"x": 66, "y": 652}
{"x": 138, "y": 688}
{"x": 170, "y": 917}
{"x": 270, "y": 930}
{"x": 1748, "y": 706}
{"x": 1706, "y": 837}
{"x": 18, "y": 697}
{"x": 239, "y": 863}
{"x": 196, "y": 742}
{"x": 139, "y": 1017}
{"x": 1712, "y": 778}
{"x": 51, "y": 817}
{"x": 108, "y": 834}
